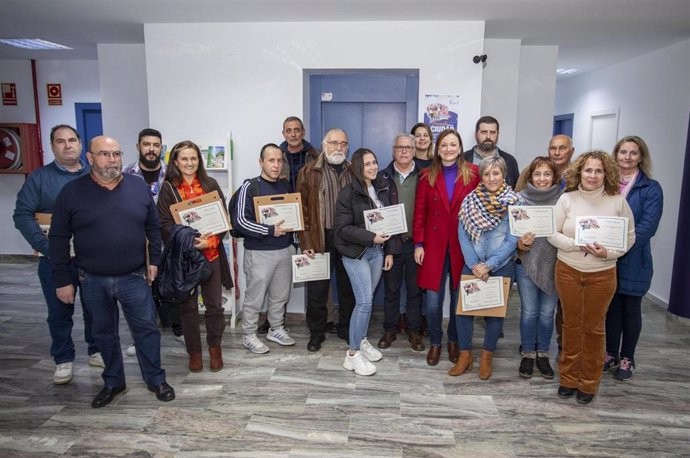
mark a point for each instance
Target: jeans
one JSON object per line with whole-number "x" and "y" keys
{"x": 102, "y": 293}
{"x": 536, "y": 313}
{"x": 60, "y": 321}
{"x": 624, "y": 319}
{"x": 364, "y": 274}
{"x": 401, "y": 278}
{"x": 494, "y": 325}
{"x": 434, "y": 307}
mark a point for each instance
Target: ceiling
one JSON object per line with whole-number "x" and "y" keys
{"x": 590, "y": 33}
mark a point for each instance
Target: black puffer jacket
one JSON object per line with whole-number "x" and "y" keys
{"x": 351, "y": 237}
{"x": 182, "y": 266}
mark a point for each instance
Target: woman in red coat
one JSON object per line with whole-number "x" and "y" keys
{"x": 441, "y": 189}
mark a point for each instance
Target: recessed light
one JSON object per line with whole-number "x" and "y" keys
{"x": 32, "y": 43}
{"x": 567, "y": 71}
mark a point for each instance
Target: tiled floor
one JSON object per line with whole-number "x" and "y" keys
{"x": 293, "y": 403}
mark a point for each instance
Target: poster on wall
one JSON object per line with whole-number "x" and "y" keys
{"x": 441, "y": 112}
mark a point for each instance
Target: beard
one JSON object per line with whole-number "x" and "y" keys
{"x": 487, "y": 146}
{"x": 107, "y": 173}
{"x": 335, "y": 158}
{"x": 149, "y": 163}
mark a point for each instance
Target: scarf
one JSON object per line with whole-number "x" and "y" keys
{"x": 482, "y": 211}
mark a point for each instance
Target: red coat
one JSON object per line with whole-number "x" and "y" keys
{"x": 435, "y": 225}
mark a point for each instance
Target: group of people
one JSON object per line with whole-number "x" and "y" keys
{"x": 456, "y": 206}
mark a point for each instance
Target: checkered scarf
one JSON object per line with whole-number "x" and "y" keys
{"x": 482, "y": 211}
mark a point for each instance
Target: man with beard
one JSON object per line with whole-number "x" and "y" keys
{"x": 486, "y": 134}
{"x": 150, "y": 166}
{"x": 319, "y": 183}
{"x": 38, "y": 196}
{"x": 110, "y": 216}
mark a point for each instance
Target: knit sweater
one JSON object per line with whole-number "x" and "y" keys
{"x": 587, "y": 203}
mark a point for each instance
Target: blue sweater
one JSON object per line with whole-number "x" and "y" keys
{"x": 259, "y": 236}
{"x": 110, "y": 228}
{"x": 38, "y": 196}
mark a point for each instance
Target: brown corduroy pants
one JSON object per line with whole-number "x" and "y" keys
{"x": 585, "y": 298}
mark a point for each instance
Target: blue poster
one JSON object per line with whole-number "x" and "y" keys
{"x": 441, "y": 113}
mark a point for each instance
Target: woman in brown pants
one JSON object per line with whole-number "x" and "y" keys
{"x": 186, "y": 179}
{"x": 586, "y": 274}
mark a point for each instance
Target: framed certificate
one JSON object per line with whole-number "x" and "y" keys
{"x": 536, "y": 219}
{"x": 305, "y": 268}
{"x": 609, "y": 231}
{"x": 206, "y": 214}
{"x": 483, "y": 298}
{"x": 288, "y": 207}
{"x": 388, "y": 220}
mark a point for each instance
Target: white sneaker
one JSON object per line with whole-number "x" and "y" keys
{"x": 180, "y": 338}
{"x": 96, "y": 360}
{"x": 368, "y": 351}
{"x": 358, "y": 363}
{"x": 63, "y": 373}
{"x": 254, "y": 345}
{"x": 280, "y": 336}
{"x": 132, "y": 350}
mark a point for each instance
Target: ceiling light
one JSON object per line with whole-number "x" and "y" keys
{"x": 32, "y": 43}
{"x": 567, "y": 71}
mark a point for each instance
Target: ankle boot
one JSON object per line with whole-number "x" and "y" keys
{"x": 453, "y": 352}
{"x": 195, "y": 363}
{"x": 464, "y": 364}
{"x": 485, "y": 365}
{"x": 216, "y": 358}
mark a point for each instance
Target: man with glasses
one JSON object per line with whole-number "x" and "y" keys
{"x": 319, "y": 183}
{"x": 404, "y": 176}
{"x": 111, "y": 216}
{"x": 38, "y": 196}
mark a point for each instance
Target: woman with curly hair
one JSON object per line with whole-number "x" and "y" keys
{"x": 586, "y": 275}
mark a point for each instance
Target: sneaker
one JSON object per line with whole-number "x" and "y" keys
{"x": 610, "y": 363}
{"x": 369, "y": 352}
{"x": 96, "y": 360}
{"x": 526, "y": 367}
{"x": 131, "y": 351}
{"x": 179, "y": 338}
{"x": 625, "y": 370}
{"x": 544, "y": 367}
{"x": 253, "y": 344}
{"x": 358, "y": 363}
{"x": 280, "y": 336}
{"x": 63, "y": 373}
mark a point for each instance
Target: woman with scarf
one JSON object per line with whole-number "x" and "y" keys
{"x": 534, "y": 273}
{"x": 488, "y": 248}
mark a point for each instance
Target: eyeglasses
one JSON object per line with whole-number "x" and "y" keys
{"x": 336, "y": 144}
{"x": 115, "y": 154}
{"x": 403, "y": 148}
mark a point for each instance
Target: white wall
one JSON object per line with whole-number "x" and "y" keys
{"x": 536, "y": 99}
{"x": 653, "y": 94}
{"x": 79, "y": 81}
{"x": 124, "y": 94}
{"x": 207, "y": 79}
{"x": 500, "y": 89}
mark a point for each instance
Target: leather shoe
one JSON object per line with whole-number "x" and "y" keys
{"x": 415, "y": 339}
{"x": 565, "y": 392}
{"x": 584, "y": 398}
{"x": 164, "y": 392}
{"x": 387, "y": 339}
{"x": 106, "y": 395}
{"x": 453, "y": 352}
{"x": 315, "y": 342}
{"x": 434, "y": 355}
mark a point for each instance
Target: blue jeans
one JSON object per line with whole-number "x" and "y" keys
{"x": 364, "y": 274}
{"x": 623, "y": 322}
{"x": 536, "y": 313}
{"x": 434, "y": 307}
{"x": 60, "y": 321}
{"x": 494, "y": 325}
{"x": 102, "y": 293}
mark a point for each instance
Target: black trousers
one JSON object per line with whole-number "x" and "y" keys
{"x": 317, "y": 295}
{"x": 404, "y": 267}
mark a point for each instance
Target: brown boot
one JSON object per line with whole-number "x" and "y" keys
{"x": 485, "y": 365}
{"x": 434, "y": 354}
{"x": 387, "y": 339}
{"x": 195, "y": 363}
{"x": 453, "y": 352}
{"x": 216, "y": 358}
{"x": 416, "y": 342}
{"x": 464, "y": 364}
